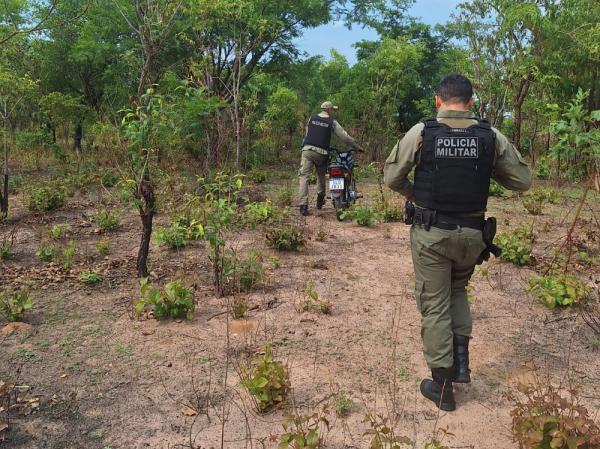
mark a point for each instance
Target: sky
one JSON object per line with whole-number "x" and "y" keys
{"x": 319, "y": 41}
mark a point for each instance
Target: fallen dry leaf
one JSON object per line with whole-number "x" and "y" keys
{"x": 187, "y": 411}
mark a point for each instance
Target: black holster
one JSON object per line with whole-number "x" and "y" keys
{"x": 489, "y": 232}
{"x": 409, "y": 213}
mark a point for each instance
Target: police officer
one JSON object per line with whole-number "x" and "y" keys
{"x": 455, "y": 156}
{"x": 315, "y": 152}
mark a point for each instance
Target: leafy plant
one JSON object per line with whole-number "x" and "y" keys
{"x": 542, "y": 168}
{"x": 363, "y": 215}
{"x": 109, "y": 178}
{"x": 257, "y": 213}
{"x": 496, "y": 189}
{"x": 68, "y": 254}
{"x": 90, "y": 277}
{"x": 6, "y": 246}
{"x": 257, "y": 176}
{"x": 174, "y": 301}
{"x": 58, "y": 231}
{"x": 287, "y": 237}
{"x": 107, "y": 220}
{"x": 369, "y": 171}
{"x": 304, "y": 431}
{"x": 46, "y": 251}
{"x": 343, "y": 405}
{"x": 312, "y": 301}
{"x": 545, "y": 417}
{"x": 382, "y": 433}
{"x": 266, "y": 380}
{"x": 284, "y": 196}
{"x": 558, "y": 289}
{"x": 516, "y": 245}
{"x": 103, "y": 247}
{"x": 239, "y": 308}
{"x": 43, "y": 199}
{"x": 13, "y": 304}
{"x": 534, "y": 202}
{"x": 175, "y": 236}
{"x": 249, "y": 273}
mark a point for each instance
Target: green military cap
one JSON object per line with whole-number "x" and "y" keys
{"x": 328, "y": 105}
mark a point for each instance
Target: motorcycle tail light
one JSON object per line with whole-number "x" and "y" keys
{"x": 335, "y": 171}
{"x": 346, "y": 175}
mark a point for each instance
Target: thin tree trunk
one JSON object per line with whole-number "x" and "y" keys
{"x": 518, "y": 105}
{"x": 4, "y": 199}
{"x": 145, "y": 192}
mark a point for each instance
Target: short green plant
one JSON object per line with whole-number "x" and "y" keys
{"x": 191, "y": 217}
{"x": 103, "y": 247}
{"x": 174, "y": 237}
{"x": 586, "y": 259}
{"x": 258, "y": 213}
{"x": 312, "y": 302}
{"x": 174, "y": 301}
{"x": 266, "y": 380}
{"x": 516, "y": 245}
{"x": 304, "y": 431}
{"x": 43, "y": 199}
{"x": 392, "y": 214}
{"x": 382, "y": 433}
{"x": 558, "y": 289}
{"x": 286, "y": 237}
{"x": 370, "y": 171}
{"x": 58, "y": 231}
{"x": 343, "y": 405}
{"x": 284, "y": 196}
{"x": 276, "y": 261}
{"x": 363, "y": 215}
{"x": 239, "y": 308}
{"x": 14, "y": 304}
{"x": 90, "y": 277}
{"x": 546, "y": 417}
{"x": 312, "y": 178}
{"x": 109, "y": 178}
{"x": 249, "y": 273}
{"x": 68, "y": 255}
{"x": 6, "y": 246}
{"x": 46, "y": 251}
{"x": 551, "y": 194}
{"x": 496, "y": 189}
{"x": 107, "y": 220}
{"x": 257, "y": 176}
{"x": 534, "y": 201}
{"x": 542, "y": 168}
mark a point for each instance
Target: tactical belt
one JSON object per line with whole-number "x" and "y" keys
{"x": 450, "y": 222}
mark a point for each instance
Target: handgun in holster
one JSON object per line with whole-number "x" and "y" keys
{"x": 489, "y": 232}
{"x": 409, "y": 213}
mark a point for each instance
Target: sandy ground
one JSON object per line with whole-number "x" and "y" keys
{"x": 98, "y": 378}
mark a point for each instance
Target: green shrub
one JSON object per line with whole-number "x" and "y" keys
{"x": 103, "y": 247}
{"x": 558, "y": 289}
{"x": 107, "y": 220}
{"x": 46, "y": 251}
{"x": 174, "y": 301}
{"x": 392, "y": 214}
{"x": 68, "y": 255}
{"x": 312, "y": 178}
{"x": 542, "y": 168}
{"x": 257, "y": 176}
{"x": 370, "y": 171}
{"x": 258, "y": 213}
{"x": 43, "y": 199}
{"x": 382, "y": 433}
{"x": 174, "y": 237}
{"x": 516, "y": 245}
{"x": 109, "y": 178}
{"x": 551, "y": 195}
{"x": 496, "y": 189}
{"x": 363, "y": 215}
{"x": 249, "y": 273}
{"x": 239, "y": 308}
{"x": 58, "y": 231}
{"x": 546, "y": 418}
{"x": 285, "y": 238}
{"x": 284, "y": 196}
{"x": 90, "y": 277}
{"x": 534, "y": 201}
{"x": 266, "y": 380}
{"x": 13, "y": 304}
{"x": 343, "y": 405}
{"x": 304, "y": 431}
{"x": 5, "y": 249}
{"x": 312, "y": 301}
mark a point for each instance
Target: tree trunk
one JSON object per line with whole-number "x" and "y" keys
{"x": 4, "y": 199}
{"x": 518, "y": 105}
{"x": 77, "y": 139}
{"x": 145, "y": 192}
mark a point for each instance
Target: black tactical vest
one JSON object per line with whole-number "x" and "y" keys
{"x": 454, "y": 171}
{"x": 319, "y": 132}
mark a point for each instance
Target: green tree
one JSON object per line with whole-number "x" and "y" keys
{"x": 282, "y": 119}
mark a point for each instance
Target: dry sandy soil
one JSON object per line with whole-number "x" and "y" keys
{"x": 99, "y": 378}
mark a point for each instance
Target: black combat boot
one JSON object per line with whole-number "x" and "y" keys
{"x": 304, "y": 210}
{"x": 462, "y": 373}
{"x": 320, "y": 200}
{"x": 439, "y": 390}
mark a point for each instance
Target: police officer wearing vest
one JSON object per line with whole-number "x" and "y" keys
{"x": 455, "y": 156}
{"x": 315, "y": 152}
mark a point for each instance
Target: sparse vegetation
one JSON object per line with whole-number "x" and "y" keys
{"x": 50, "y": 197}
{"x": 285, "y": 237}
{"x": 14, "y": 303}
{"x": 516, "y": 245}
{"x": 304, "y": 431}
{"x": 174, "y": 237}
{"x": 107, "y": 220}
{"x": 90, "y": 277}
{"x": 47, "y": 251}
{"x": 559, "y": 289}
{"x": 103, "y": 247}
{"x": 174, "y": 301}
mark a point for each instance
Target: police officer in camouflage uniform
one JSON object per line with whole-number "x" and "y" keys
{"x": 455, "y": 156}
{"x": 315, "y": 152}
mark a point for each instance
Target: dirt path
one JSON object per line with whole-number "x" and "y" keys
{"x": 104, "y": 380}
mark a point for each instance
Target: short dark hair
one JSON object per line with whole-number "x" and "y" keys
{"x": 454, "y": 88}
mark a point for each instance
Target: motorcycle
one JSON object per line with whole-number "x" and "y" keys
{"x": 342, "y": 186}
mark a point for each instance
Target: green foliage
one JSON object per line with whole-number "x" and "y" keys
{"x": 239, "y": 308}
{"x": 6, "y": 246}
{"x": 545, "y": 417}
{"x": 58, "y": 231}
{"x": 304, "y": 431}
{"x": 534, "y": 201}
{"x": 266, "y": 380}
{"x": 43, "y": 199}
{"x": 343, "y": 405}
{"x": 369, "y": 171}
{"x": 174, "y": 301}
{"x": 257, "y": 176}
{"x": 382, "y": 433}
{"x": 46, "y": 251}
{"x": 496, "y": 189}
{"x": 559, "y": 289}
{"x": 103, "y": 247}
{"x": 312, "y": 302}
{"x": 284, "y": 196}
{"x": 174, "y": 237}
{"x": 109, "y": 178}
{"x": 259, "y": 213}
{"x": 248, "y": 273}
{"x": 68, "y": 255}
{"x": 90, "y": 277}
{"x": 363, "y": 215}
{"x": 550, "y": 194}
{"x": 516, "y": 245}
{"x": 542, "y": 168}
{"x": 286, "y": 237}
{"x": 14, "y": 304}
{"x": 107, "y": 220}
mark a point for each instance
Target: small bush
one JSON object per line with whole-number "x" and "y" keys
{"x": 46, "y": 251}
{"x": 43, "y": 199}
{"x": 343, "y": 405}
{"x": 546, "y": 418}
{"x": 258, "y": 213}
{"x": 312, "y": 302}
{"x": 107, "y": 220}
{"x": 382, "y": 433}
{"x": 6, "y": 246}
{"x": 103, "y": 247}
{"x": 266, "y": 380}
{"x": 534, "y": 202}
{"x": 542, "y": 168}
{"x": 68, "y": 254}
{"x": 174, "y": 301}
{"x": 496, "y": 189}
{"x": 312, "y": 178}
{"x": 239, "y": 308}
{"x": 305, "y": 431}
{"x": 249, "y": 273}
{"x": 109, "y": 178}
{"x": 174, "y": 237}
{"x": 257, "y": 176}
{"x": 13, "y": 304}
{"x": 516, "y": 245}
{"x": 284, "y": 196}
{"x": 551, "y": 195}
{"x": 363, "y": 215}
{"x": 90, "y": 277}
{"x": 58, "y": 231}
{"x": 285, "y": 238}
{"x": 392, "y": 214}
{"x": 558, "y": 289}
{"x": 370, "y": 171}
